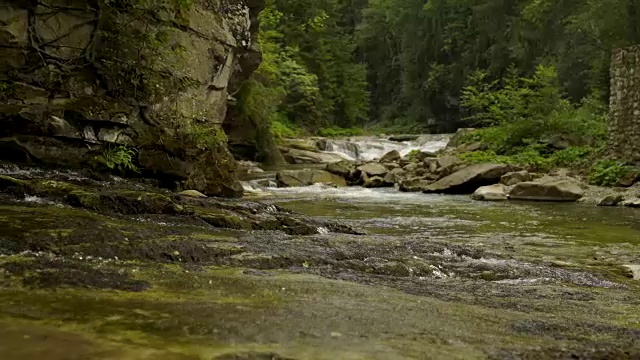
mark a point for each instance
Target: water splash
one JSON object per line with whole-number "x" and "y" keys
{"x": 370, "y": 148}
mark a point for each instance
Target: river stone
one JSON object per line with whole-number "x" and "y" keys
{"x": 632, "y": 203}
{"x": 376, "y": 182}
{"x": 611, "y": 200}
{"x": 416, "y": 184}
{"x": 516, "y": 177}
{"x": 373, "y": 169}
{"x": 298, "y": 156}
{"x": 495, "y": 192}
{"x": 394, "y": 176}
{"x": 391, "y": 156}
{"x": 469, "y": 179}
{"x": 192, "y": 193}
{"x": 550, "y": 189}
{"x": 410, "y": 167}
{"x": 633, "y": 271}
{"x": 342, "y": 168}
{"x": 294, "y": 178}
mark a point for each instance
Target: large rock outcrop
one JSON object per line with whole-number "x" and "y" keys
{"x": 81, "y": 80}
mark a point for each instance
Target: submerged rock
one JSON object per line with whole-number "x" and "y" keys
{"x": 295, "y": 178}
{"x": 469, "y": 179}
{"x": 547, "y": 189}
{"x": 496, "y": 192}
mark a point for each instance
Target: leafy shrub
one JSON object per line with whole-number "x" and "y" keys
{"x": 609, "y": 172}
{"x": 282, "y": 128}
{"x": 120, "y": 158}
{"x": 340, "y": 132}
{"x": 572, "y": 156}
{"x": 523, "y": 111}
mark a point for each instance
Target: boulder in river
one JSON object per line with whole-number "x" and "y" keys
{"x": 611, "y": 200}
{"x": 373, "y": 169}
{"x": 633, "y": 271}
{"x": 515, "y": 177}
{"x": 298, "y": 156}
{"x": 632, "y": 203}
{"x": 391, "y": 156}
{"x": 496, "y": 192}
{"x": 416, "y": 184}
{"x": 469, "y": 179}
{"x": 394, "y": 176}
{"x": 548, "y": 189}
{"x": 294, "y": 178}
{"x": 376, "y": 182}
{"x": 342, "y": 168}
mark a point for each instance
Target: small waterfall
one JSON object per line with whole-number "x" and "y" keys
{"x": 371, "y": 148}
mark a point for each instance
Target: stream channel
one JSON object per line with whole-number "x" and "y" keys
{"x": 434, "y": 277}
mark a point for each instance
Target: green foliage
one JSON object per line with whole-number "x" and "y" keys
{"x": 524, "y": 111}
{"x": 203, "y": 137}
{"x": 120, "y": 158}
{"x": 420, "y": 53}
{"x": 610, "y": 172}
{"x": 308, "y": 73}
{"x": 341, "y": 132}
{"x": 282, "y": 128}
{"x": 534, "y": 158}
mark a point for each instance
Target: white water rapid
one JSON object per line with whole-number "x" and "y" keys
{"x": 370, "y": 148}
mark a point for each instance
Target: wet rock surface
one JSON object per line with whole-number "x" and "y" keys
{"x": 188, "y": 277}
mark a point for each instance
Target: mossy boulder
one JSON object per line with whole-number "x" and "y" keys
{"x": 123, "y": 202}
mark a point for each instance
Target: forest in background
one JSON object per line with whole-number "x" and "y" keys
{"x": 334, "y": 67}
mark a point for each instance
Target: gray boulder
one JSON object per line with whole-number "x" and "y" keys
{"x": 469, "y": 179}
{"x": 373, "y": 169}
{"x": 294, "y": 178}
{"x": 375, "y": 182}
{"x": 548, "y": 189}
{"x": 391, "y": 156}
{"x": 513, "y": 178}
{"x": 416, "y": 184}
{"x": 496, "y": 192}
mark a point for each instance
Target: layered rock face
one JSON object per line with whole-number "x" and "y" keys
{"x": 624, "y": 123}
{"x": 82, "y": 79}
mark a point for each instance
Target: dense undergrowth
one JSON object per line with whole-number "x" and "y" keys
{"x": 528, "y": 122}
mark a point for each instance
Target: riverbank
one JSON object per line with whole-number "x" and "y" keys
{"x": 445, "y": 164}
{"x": 437, "y": 275}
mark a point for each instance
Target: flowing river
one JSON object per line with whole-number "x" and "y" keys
{"x": 434, "y": 277}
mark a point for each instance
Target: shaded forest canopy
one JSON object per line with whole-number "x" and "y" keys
{"x": 405, "y": 63}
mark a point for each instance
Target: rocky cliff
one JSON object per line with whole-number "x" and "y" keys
{"x": 137, "y": 86}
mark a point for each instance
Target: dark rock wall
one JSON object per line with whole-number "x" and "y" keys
{"x": 81, "y": 77}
